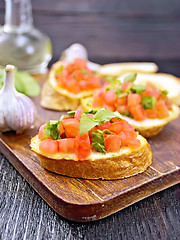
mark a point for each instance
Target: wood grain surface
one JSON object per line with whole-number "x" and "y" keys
{"x": 111, "y": 30}
{"x": 87, "y": 200}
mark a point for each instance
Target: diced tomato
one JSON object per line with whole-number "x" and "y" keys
{"x": 168, "y": 104}
{"x": 41, "y": 132}
{"x": 122, "y": 109}
{"x": 82, "y": 146}
{"x": 110, "y": 97}
{"x": 127, "y": 127}
{"x": 106, "y": 125}
{"x": 151, "y": 90}
{"x": 137, "y": 112}
{"x": 71, "y": 127}
{"x": 78, "y": 113}
{"x": 66, "y": 145}
{"x": 123, "y": 138}
{"x": 112, "y": 143}
{"x": 76, "y": 77}
{"x": 151, "y": 113}
{"x": 98, "y": 98}
{"x": 162, "y": 110}
{"x": 122, "y": 101}
{"x": 133, "y": 99}
{"x": 133, "y": 142}
{"x": 49, "y": 146}
{"x": 116, "y": 127}
{"x": 61, "y": 128}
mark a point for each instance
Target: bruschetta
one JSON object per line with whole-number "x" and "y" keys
{"x": 93, "y": 145}
{"x": 67, "y": 84}
{"x": 145, "y": 107}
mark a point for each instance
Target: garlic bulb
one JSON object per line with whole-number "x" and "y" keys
{"x": 17, "y": 111}
{"x": 77, "y": 50}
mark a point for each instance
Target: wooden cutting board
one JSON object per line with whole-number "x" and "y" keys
{"x": 88, "y": 200}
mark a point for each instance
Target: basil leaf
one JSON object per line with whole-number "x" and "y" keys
{"x": 92, "y": 111}
{"x": 24, "y": 83}
{"x": 127, "y": 114}
{"x": 164, "y": 92}
{"x": 98, "y": 147}
{"x": 98, "y": 137}
{"x": 119, "y": 92}
{"x": 138, "y": 89}
{"x": 106, "y": 131}
{"x": 60, "y": 69}
{"x": 71, "y": 113}
{"x": 130, "y": 77}
{"x": 148, "y": 102}
{"x": 51, "y": 129}
{"x": 86, "y": 123}
{"x": 122, "y": 94}
{"x": 104, "y": 115}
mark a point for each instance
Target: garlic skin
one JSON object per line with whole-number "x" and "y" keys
{"x": 17, "y": 111}
{"x": 77, "y": 50}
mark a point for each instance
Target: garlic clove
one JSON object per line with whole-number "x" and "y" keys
{"x": 77, "y": 50}
{"x": 17, "y": 111}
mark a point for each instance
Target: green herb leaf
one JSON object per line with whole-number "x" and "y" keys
{"x": 86, "y": 123}
{"x": 24, "y": 83}
{"x": 148, "y": 102}
{"x": 131, "y": 77}
{"x": 84, "y": 71}
{"x": 98, "y": 137}
{"x": 60, "y": 69}
{"x": 122, "y": 94}
{"x": 164, "y": 92}
{"x": 138, "y": 89}
{"x": 104, "y": 115}
{"x": 127, "y": 114}
{"x": 98, "y": 147}
{"x": 51, "y": 129}
{"x": 71, "y": 113}
{"x": 119, "y": 92}
{"x": 111, "y": 79}
{"x": 106, "y": 131}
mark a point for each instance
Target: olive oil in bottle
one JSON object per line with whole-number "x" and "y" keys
{"x": 21, "y": 44}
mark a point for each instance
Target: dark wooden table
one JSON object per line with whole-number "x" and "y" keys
{"x": 137, "y": 31}
{"x": 25, "y": 215}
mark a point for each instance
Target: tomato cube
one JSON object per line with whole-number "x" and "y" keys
{"x": 41, "y": 132}
{"x": 162, "y": 110}
{"x": 137, "y": 112}
{"x": 116, "y": 127}
{"x": 112, "y": 143}
{"x": 49, "y": 146}
{"x": 71, "y": 127}
{"x": 134, "y": 99}
{"x": 82, "y": 146}
{"x": 66, "y": 145}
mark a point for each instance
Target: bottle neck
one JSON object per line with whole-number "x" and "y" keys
{"x": 18, "y": 16}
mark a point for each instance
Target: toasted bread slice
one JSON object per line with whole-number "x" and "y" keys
{"x": 125, "y": 163}
{"x": 163, "y": 82}
{"x": 117, "y": 69}
{"x": 51, "y": 99}
{"x": 147, "y": 128}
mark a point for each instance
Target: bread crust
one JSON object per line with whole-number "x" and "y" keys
{"x": 126, "y": 163}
